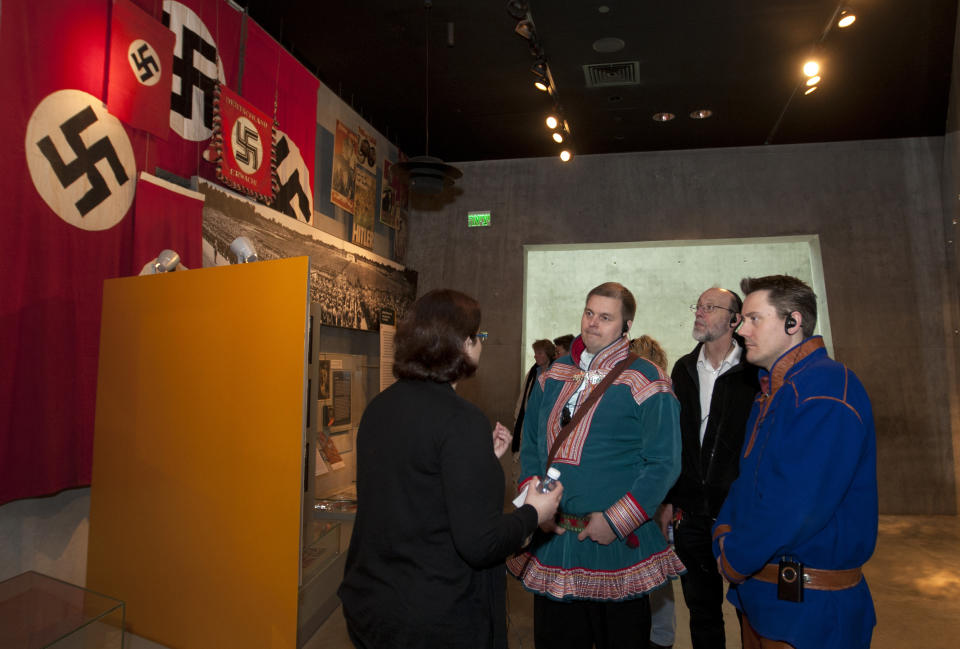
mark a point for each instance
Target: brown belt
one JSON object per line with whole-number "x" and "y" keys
{"x": 816, "y": 579}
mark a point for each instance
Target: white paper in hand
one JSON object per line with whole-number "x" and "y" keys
{"x": 522, "y": 498}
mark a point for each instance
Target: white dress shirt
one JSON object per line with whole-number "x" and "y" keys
{"x": 708, "y": 377}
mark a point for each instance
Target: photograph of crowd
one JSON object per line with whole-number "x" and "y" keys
{"x": 351, "y": 285}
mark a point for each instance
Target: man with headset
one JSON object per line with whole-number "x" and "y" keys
{"x": 716, "y": 387}
{"x": 801, "y": 519}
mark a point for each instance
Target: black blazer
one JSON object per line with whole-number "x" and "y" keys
{"x": 425, "y": 563}
{"x": 706, "y": 473}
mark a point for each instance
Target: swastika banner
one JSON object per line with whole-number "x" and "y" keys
{"x": 245, "y": 144}
{"x": 67, "y": 178}
{"x": 167, "y": 216}
{"x": 141, "y": 69}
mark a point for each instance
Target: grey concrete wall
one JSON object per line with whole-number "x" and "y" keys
{"x": 876, "y": 206}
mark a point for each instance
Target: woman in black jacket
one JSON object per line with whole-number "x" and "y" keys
{"x": 425, "y": 564}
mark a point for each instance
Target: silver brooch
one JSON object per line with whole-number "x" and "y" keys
{"x": 591, "y": 376}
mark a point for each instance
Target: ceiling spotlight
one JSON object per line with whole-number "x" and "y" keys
{"x": 552, "y": 122}
{"x": 811, "y": 68}
{"x": 167, "y": 261}
{"x": 517, "y": 8}
{"x": 703, "y": 113}
{"x": 663, "y": 117}
{"x": 812, "y": 81}
{"x": 557, "y": 137}
{"x": 525, "y": 29}
{"x": 847, "y": 18}
{"x": 809, "y": 90}
{"x": 540, "y": 85}
{"x": 565, "y": 155}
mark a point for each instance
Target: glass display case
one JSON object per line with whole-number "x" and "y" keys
{"x": 40, "y": 611}
{"x": 339, "y": 389}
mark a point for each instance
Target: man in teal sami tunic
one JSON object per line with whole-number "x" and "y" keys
{"x": 590, "y": 571}
{"x": 801, "y": 519}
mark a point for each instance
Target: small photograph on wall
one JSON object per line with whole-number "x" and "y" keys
{"x": 388, "y": 212}
{"x": 364, "y": 209}
{"x": 368, "y": 151}
{"x": 323, "y": 389}
{"x": 345, "y": 155}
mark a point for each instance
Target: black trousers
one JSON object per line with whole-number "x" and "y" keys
{"x": 702, "y": 585}
{"x": 582, "y": 624}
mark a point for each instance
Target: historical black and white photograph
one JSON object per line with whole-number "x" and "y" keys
{"x": 350, "y": 284}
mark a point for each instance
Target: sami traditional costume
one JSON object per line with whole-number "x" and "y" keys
{"x": 621, "y": 459}
{"x": 807, "y": 492}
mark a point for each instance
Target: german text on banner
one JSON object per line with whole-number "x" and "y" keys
{"x": 245, "y": 146}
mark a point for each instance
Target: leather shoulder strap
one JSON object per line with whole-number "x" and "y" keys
{"x": 611, "y": 376}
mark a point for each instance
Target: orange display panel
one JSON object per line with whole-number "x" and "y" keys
{"x": 198, "y": 454}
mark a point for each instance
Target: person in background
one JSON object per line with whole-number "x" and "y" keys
{"x": 562, "y": 344}
{"x": 663, "y": 620}
{"x": 591, "y": 569}
{"x": 716, "y": 386}
{"x": 425, "y": 563}
{"x": 800, "y": 520}
{"x": 544, "y": 353}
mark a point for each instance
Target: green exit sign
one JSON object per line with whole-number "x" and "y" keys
{"x": 478, "y": 219}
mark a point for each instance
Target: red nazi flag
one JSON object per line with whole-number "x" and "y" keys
{"x": 246, "y": 159}
{"x": 141, "y": 69}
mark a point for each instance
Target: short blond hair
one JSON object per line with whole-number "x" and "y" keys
{"x": 648, "y": 348}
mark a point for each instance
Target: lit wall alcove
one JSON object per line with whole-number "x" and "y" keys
{"x": 664, "y": 276}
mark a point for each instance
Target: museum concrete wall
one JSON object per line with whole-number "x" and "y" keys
{"x": 877, "y": 206}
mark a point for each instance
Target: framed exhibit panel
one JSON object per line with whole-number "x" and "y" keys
{"x": 196, "y": 502}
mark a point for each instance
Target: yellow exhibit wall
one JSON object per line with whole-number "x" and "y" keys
{"x": 198, "y": 454}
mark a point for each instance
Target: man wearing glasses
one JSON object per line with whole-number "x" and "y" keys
{"x": 716, "y": 387}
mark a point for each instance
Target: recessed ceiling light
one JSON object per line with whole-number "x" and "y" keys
{"x": 663, "y": 117}
{"x": 810, "y": 90}
{"x": 703, "y": 113}
{"x": 608, "y": 45}
{"x": 565, "y": 155}
{"x": 557, "y": 137}
{"x": 846, "y": 19}
{"x": 812, "y": 81}
{"x": 811, "y": 68}
{"x": 539, "y": 85}
{"x": 552, "y": 122}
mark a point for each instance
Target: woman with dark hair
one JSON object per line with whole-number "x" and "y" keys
{"x": 425, "y": 564}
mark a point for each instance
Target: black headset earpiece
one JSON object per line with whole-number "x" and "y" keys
{"x": 789, "y": 323}
{"x": 733, "y": 319}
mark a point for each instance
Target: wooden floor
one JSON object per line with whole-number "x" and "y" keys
{"x": 914, "y": 576}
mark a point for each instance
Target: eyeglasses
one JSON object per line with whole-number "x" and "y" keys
{"x": 709, "y": 308}
{"x": 482, "y": 336}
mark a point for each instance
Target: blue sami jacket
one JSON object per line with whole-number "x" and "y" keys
{"x": 807, "y": 489}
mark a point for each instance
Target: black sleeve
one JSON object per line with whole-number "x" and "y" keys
{"x": 473, "y": 487}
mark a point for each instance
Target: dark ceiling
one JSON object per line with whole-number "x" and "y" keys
{"x": 888, "y": 75}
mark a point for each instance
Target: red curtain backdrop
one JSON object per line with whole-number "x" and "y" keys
{"x": 166, "y": 217}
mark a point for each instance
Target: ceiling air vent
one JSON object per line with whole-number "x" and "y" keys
{"x": 603, "y": 75}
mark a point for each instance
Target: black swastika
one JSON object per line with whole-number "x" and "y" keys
{"x": 84, "y": 164}
{"x": 245, "y": 151}
{"x": 190, "y": 76}
{"x": 145, "y": 63}
{"x": 291, "y": 187}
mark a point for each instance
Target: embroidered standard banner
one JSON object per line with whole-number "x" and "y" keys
{"x": 141, "y": 69}
{"x": 244, "y": 139}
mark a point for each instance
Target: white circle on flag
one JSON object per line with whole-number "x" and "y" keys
{"x": 246, "y": 145}
{"x": 80, "y": 160}
{"x": 182, "y": 19}
{"x": 145, "y": 62}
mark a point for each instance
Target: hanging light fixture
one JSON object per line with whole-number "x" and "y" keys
{"x": 428, "y": 175}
